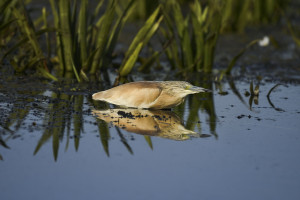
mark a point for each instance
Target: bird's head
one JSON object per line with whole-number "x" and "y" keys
{"x": 184, "y": 88}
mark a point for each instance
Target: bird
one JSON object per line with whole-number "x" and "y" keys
{"x": 149, "y": 94}
{"x": 161, "y": 123}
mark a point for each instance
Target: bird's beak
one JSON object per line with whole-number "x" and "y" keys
{"x": 196, "y": 89}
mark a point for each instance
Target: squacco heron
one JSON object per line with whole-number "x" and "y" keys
{"x": 149, "y": 94}
{"x": 161, "y": 123}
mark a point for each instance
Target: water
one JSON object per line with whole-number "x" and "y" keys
{"x": 252, "y": 153}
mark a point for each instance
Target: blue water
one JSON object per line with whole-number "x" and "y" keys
{"x": 247, "y": 157}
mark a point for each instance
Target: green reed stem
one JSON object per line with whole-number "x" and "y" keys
{"x": 44, "y": 13}
{"x": 82, "y": 31}
{"x": 66, "y": 37}
{"x": 103, "y": 36}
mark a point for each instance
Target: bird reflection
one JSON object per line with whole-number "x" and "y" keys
{"x": 161, "y": 123}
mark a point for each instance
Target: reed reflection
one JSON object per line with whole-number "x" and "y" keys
{"x": 161, "y": 123}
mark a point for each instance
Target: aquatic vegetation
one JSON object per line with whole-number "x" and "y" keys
{"x": 199, "y": 104}
{"x": 269, "y": 98}
{"x": 86, "y": 36}
{"x": 239, "y": 14}
{"x": 85, "y": 41}
{"x": 192, "y": 38}
{"x": 294, "y": 33}
{"x": 232, "y": 63}
{"x": 140, "y": 40}
{"x": 27, "y": 50}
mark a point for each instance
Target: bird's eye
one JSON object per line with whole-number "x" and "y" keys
{"x": 187, "y": 87}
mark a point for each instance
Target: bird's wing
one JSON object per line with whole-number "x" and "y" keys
{"x": 135, "y": 94}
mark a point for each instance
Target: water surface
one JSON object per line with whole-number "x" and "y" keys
{"x": 247, "y": 152}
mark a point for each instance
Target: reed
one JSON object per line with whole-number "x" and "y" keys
{"x": 140, "y": 40}
{"x": 27, "y": 49}
{"x": 192, "y": 38}
{"x": 237, "y": 15}
{"x": 86, "y": 38}
{"x": 85, "y": 41}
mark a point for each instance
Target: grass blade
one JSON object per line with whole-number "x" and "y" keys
{"x": 142, "y": 34}
{"x": 104, "y": 136}
{"x": 82, "y": 31}
{"x": 5, "y": 25}
{"x": 59, "y": 47}
{"x": 234, "y": 60}
{"x": 124, "y": 141}
{"x": 78, "y": 120}
{"x": 149, "y": 141}
{"x": 149, "y": 61}
{"x": 117, "y": 29}
{"x": 66, "y": 37}
{"x": 126, "y": 69}
{"x": 26, "y": 26}
{"x": 44, "y": 13}
{"x": 23, "y": 41}
{"x": 103, "y": 35}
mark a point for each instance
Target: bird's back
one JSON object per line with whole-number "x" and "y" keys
{"x": 134, "y": 94}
